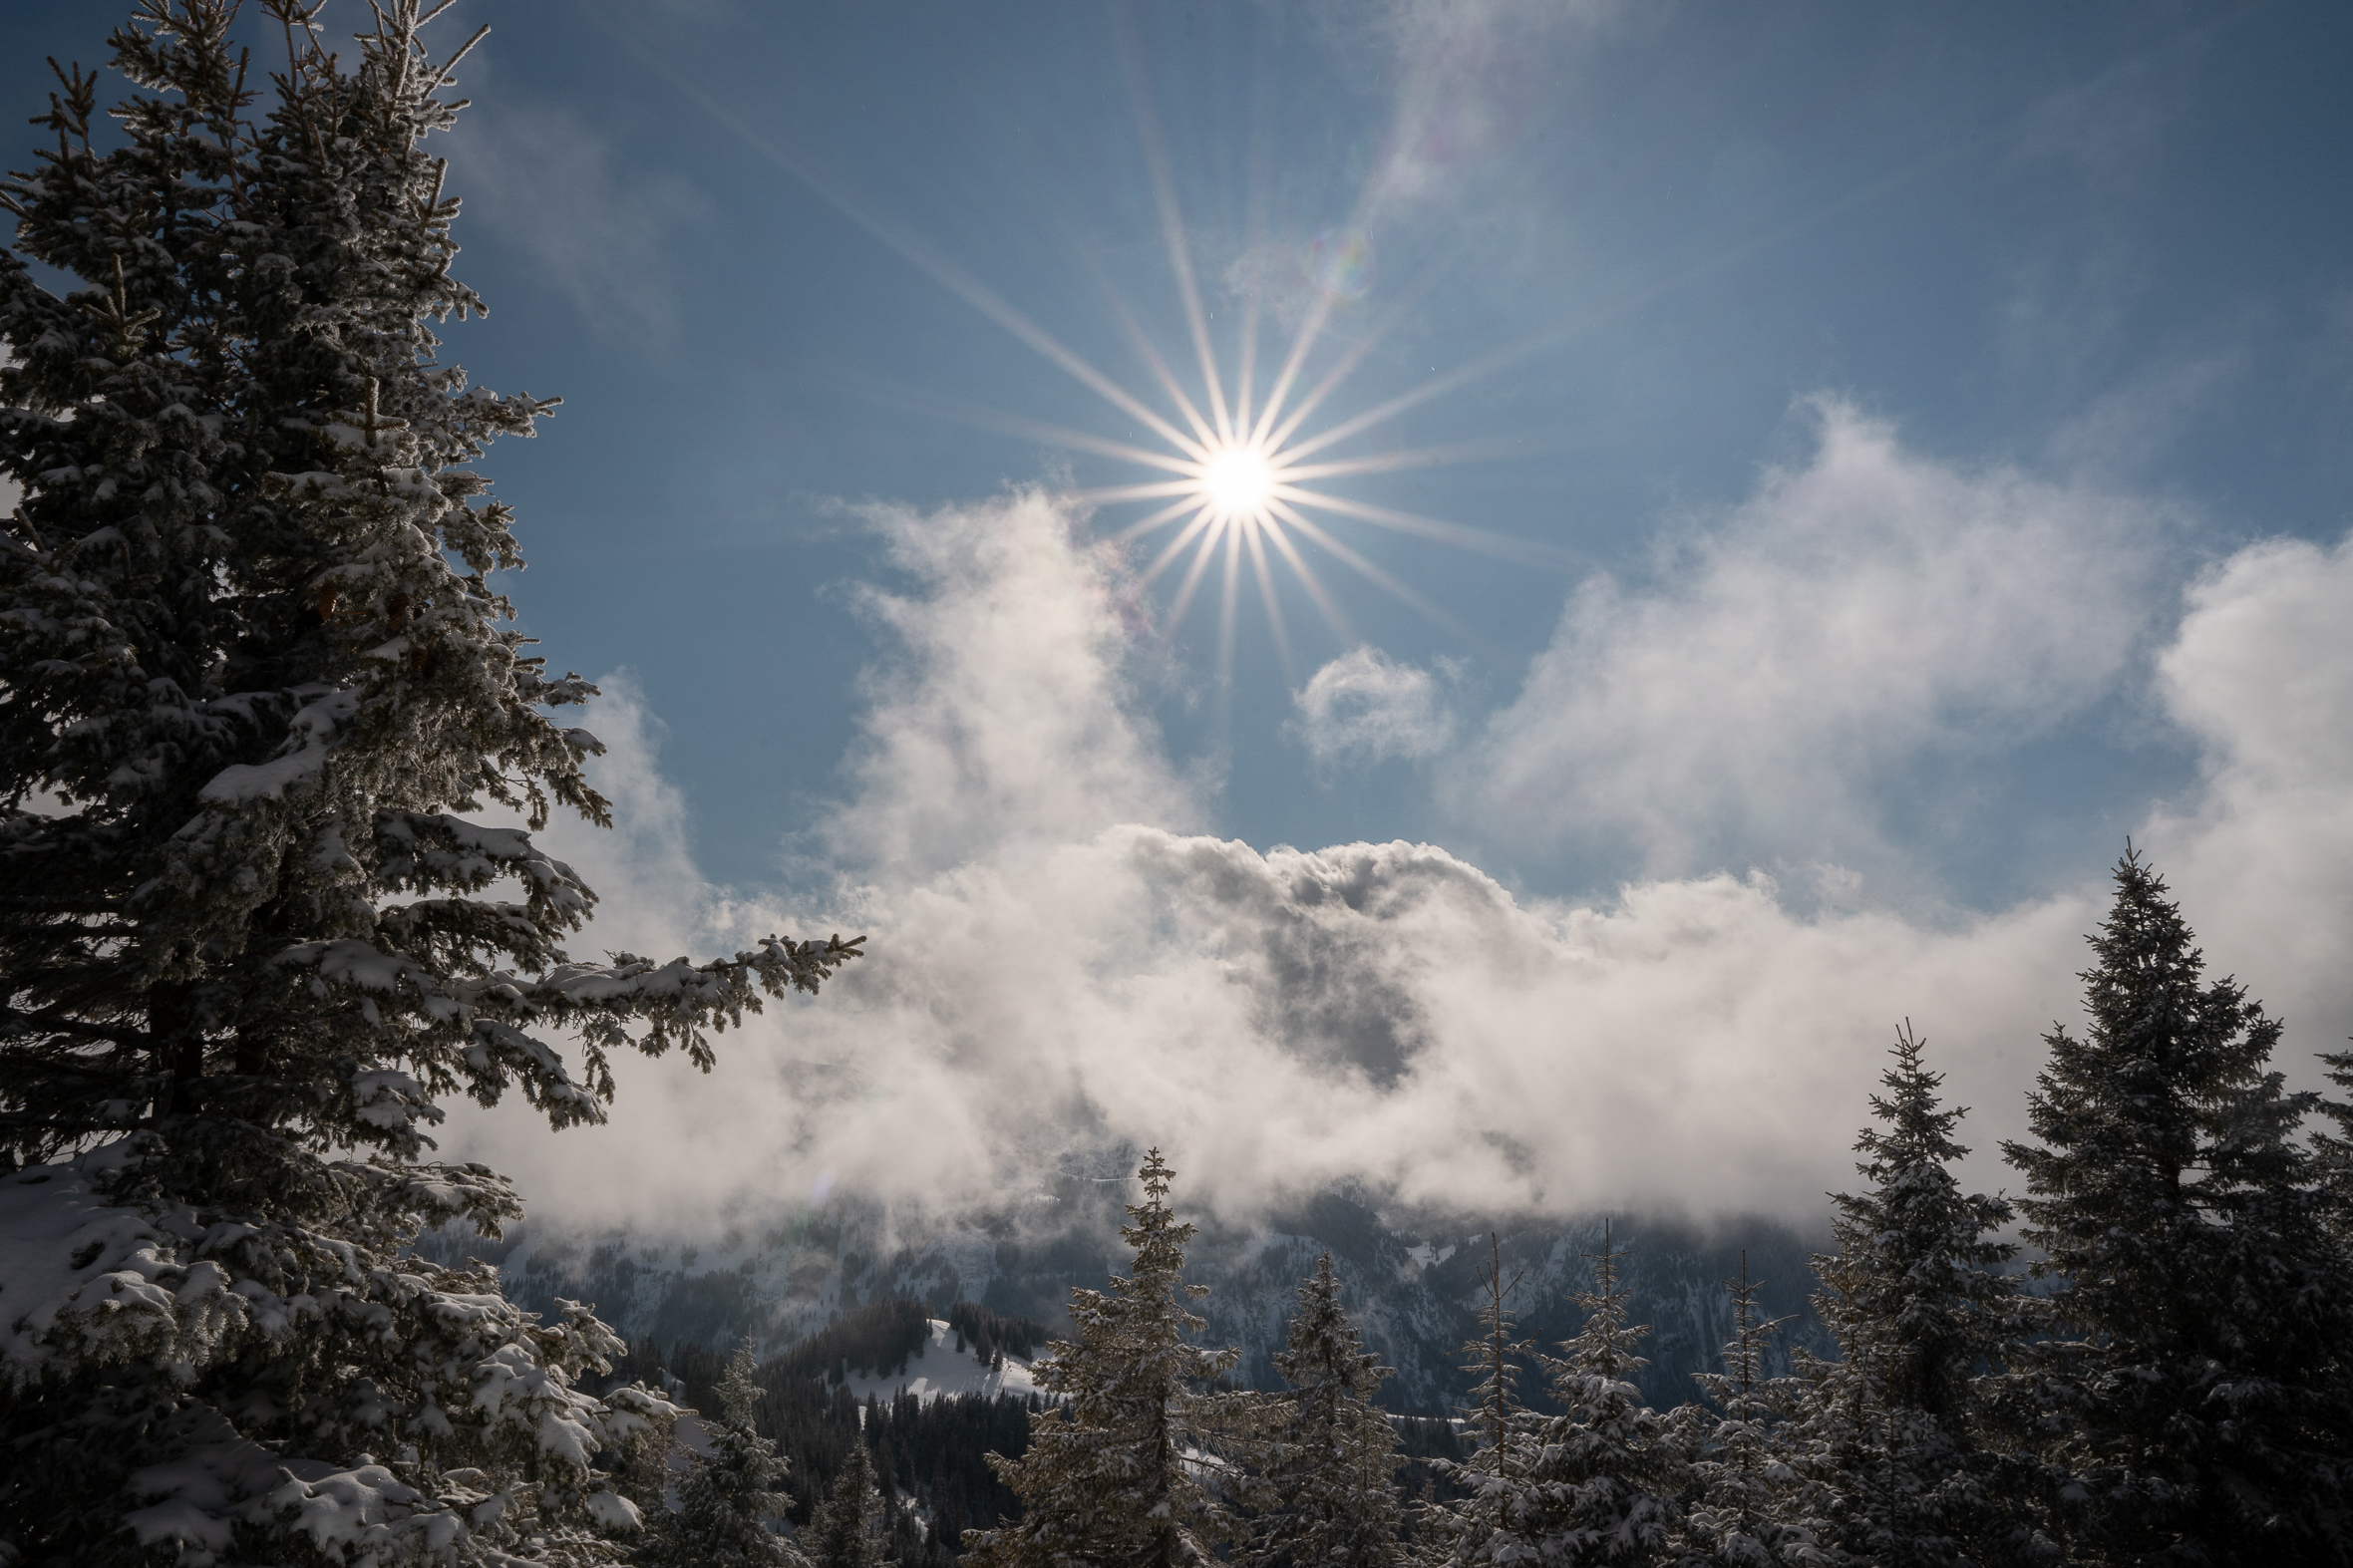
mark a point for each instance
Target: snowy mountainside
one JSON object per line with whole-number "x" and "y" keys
{"x": 1413, "y": 1286}
{"x": 942, "y": 1370}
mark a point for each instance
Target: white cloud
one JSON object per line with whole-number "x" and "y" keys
{"x": 1365, "y": 706}
{"x": 1052, "y": 967}
{"x": 1056, "y": 966}
{"x": 2261, "y": 673}
{"x": 553, "y": 188}
{"x": 1006, "y": 714}
{"x": 1858, "y": 616}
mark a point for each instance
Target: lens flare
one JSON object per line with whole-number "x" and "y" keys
{"x": 1340, "y": 262}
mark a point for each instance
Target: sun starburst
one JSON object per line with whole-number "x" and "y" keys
{"x": 1242, "y": 474}
{"x": 1238, "y": 480}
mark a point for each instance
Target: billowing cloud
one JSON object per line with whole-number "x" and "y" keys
{"x": 1058, "y": 960}
{"x": 1365, "y": 706}
{"x": 2261, "y": 673}
{"x": 1005, "y": 714}
{"x": 1861, "y": 615}
{"x": 1052, "y": 968}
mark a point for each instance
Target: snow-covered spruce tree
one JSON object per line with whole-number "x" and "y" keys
{"x": 253, "y": 681}
{"x": 1745, "y": 1507}
{"x": 1599, "y": 1482}
{"x": 845, "y": 1530}
{"x": 1460, "y": 1532}
{"x": 2192, "y": 1384}
{"x": 1113, "y": 1472}
{"x": 1609, "y": 1471}
{"x": 1326, "y": 1493}
{"x": 728, "y": 1496}
{"x": 1920, "y": 1305}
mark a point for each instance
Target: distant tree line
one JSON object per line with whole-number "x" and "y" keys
{"x": 992, "y": 1337}
{"x": 2167, "y": 1381}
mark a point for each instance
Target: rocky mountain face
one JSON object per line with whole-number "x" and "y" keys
{"x": 1413, "y": 1282}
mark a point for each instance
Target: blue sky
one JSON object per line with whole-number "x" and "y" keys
{"x": 1868, "y": 397}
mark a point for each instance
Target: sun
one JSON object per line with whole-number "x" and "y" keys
{"x": 1237, "y": 480}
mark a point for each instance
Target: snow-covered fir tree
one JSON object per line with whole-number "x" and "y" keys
{"x": 1599, "y": 1482}
{"x": 1459, "y": 1532}
{"x": 256, "y": 687}
{"x": 1919, "y": 1302}
{"x": 1326, "y": 1493}
{"x": 728, "y": 1498}
{"x": 847, "y": 1528}
{"x": 2191, "y": 1385}
{"x": 1745, "y": 1507}
{"x": 1115, "y": 1471}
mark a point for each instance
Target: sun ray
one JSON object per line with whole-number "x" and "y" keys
{"x": 1421, "y": 604}
{"x": 1237, "y": 470}
{"x": 1193, "y": 582}
{"x": 1301, "y": 342}
{"x": 1209, "y": 434}
{"x": 1164, "y": 184}
{"x": 1020, "y": 425}
{"x": 1167, "y": 513}
{"x": 1504, "y": 547}
{"x": 1333, "y": 615}
{"x": 1480, "y": 450}
{"x": 1346, "y": 364}
{"x": 1255, "y": 533}
{"x": 916, "y": 250}
{"x": 1151, "y": 491}
{"x": 1254, "y": 238}
{"x": 1200, "y": 520}
{"x": 1230, "y": 598}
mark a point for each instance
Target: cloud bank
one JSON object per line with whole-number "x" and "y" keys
{"x": 1058, "y": 962}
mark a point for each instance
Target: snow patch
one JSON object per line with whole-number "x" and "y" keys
{"x": 942, "y": 1370}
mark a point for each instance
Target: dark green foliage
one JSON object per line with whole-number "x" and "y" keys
{"x": 730, "y": 1491}
{"x": 1921, "y": 1307}
{"x": 255, "y": 685}
{"x": 1108, "y": 1478}
{"x": 990, "y": 1335}
{"x": 2191, "y": 1390}
{"x": 1745, "y": 1507}
{"x": 876, "y": 1339}
{"x": 1600, "y": 1483}
{"x": 848, "y": 1529}
{"x": 1325, "y": 1454}
{"x": 934, "y": 1454}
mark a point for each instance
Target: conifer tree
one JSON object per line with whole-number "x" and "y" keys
{"x": 729, "y": 1494}
{"x": 1461, "y": 1533}
{"x": 1610, "y": 1472}
{"x": 1326, "y": 1493}
{"x": 845, "y": 1530}
{"x": 1112, "y": 1474}
{"x": 256, "y": 686}
{"x": 1920, "y": 1307}
{"x": 1743, "y": 1510}
{"x": 2192, "y": 1381}
{"x": 1601, "y": 1482}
